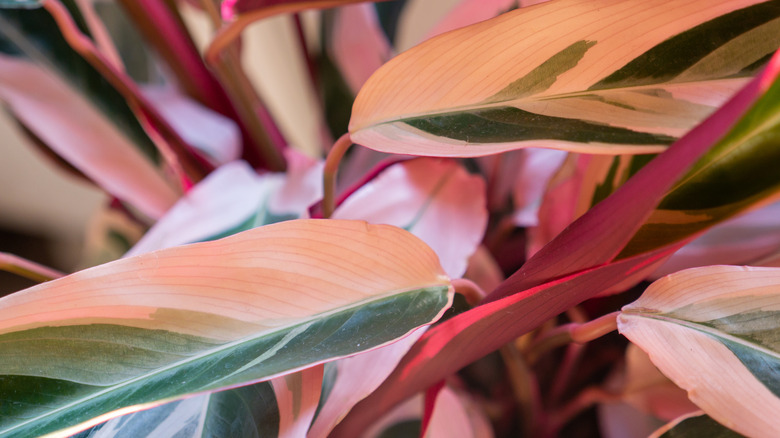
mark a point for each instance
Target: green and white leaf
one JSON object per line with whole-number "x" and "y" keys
{"x": 144, "y": 330}
{"x": 737, "y": 173}
{"x": 519, "y": 81}
{"x": 242, "y": 412}
{"x": 715, "y": 332}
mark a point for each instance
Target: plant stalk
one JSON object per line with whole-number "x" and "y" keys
{"x": 329, "y": 174}
{"x": 574, "y": 332}
{"x": 172, "y": 147}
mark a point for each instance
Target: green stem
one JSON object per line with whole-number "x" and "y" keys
{"x": 587, "y": 398}
{"x": 329, "y": 174}
{"x": 579, "y": 333}
{"x": 525, "y": 388}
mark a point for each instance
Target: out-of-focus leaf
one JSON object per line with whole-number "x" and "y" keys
{"x": 233, "y": 8}
{"x": 483, "y": 270}
{"x": 456, "y": 415}
{"x": 745, "y": 240}
{"x": 432, "y": 198}
{"x": 577, "y": 265}
{"x": 518, "y": 81}
{"x": 714, "y": 331}
{"x": 241, "y": 412}
{"x": 297, "y": 396}
{"x": 207, "y": 316}
{"x": 359, "y": 47}
{"x": 110, "y": 234}
{"x": 695, "y": 426}
{"x": 81, "y": 134}
{"x": 22, "y": 4}
{"x": 537, "y": 167}
{"x": 582, "y": 183}
{"x": 621, "y": 420}
{"x": 234, "y": 198}
{"x": 649, "y": 390}
{"x": 34, "y": 35}
{"x": 211, "y": 133}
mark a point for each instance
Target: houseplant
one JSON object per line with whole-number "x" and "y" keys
{"x": 310, "y": 327}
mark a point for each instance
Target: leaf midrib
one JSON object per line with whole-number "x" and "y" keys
{"x": 214, "y": 351}
{"x": 534, "y": 98}
{"x": 700, "y": 327}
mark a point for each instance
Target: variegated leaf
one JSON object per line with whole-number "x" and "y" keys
{"x": 297, "y": 397}
{"x": 147, "y": 329}
{"x": 241, "y": 412}
{"x": 575, "y": 266}
{"x": 738, "y": 173}
{"x": 745, "y": 240}
{"x": 518, "y": 81}
{"x": 714, "y": 331}
{"x": 431, "y": 198}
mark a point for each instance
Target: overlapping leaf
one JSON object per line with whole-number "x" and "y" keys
{"x": 518, "y": 80}
{"x": 75, "y": 129}
{"x": 432, "y": 198}
{"x": 714, "y": 331}
{"x": 239, "y": 412}
{"x": 209, "y": 316}
{"x": 34, "y": 35}
{"x": 232, "y": 199}
{"x": 578, "y": 264}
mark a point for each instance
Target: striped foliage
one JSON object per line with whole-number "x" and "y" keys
{"x": 624, "y": 77}
{"x": 737, "y": 173}
{"x": 246, "y": 411}
{"x": 715, "y": 332}
{"x": 156, "y": 327}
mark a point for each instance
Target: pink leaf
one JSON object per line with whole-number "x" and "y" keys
{"x": 359, "y": 46}
{"x": 80, "y": 134}
{"x": 435, "y": 199}
{"x": 574, "y": 267}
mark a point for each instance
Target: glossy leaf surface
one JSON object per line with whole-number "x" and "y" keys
{"x": 518, "y": 81}
{"x": 714, "y": 331}
{"x": 578, "y": 264}
{"x": 212, "y": 315}
{"x": 238, "y": 412}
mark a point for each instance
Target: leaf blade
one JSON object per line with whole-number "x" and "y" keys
{"x": 207, "y": 320}
{"x": 712, "y": 331}
{"x": 515, "y": 81}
